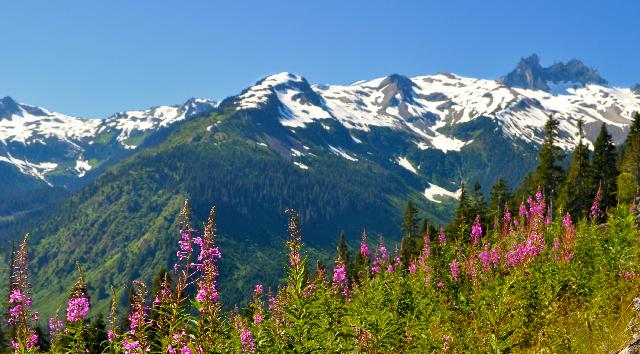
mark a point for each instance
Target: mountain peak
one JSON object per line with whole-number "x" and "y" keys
{"x": 8, "y": 107}
{"x": 281, "y": 78}
{"x": 530, "y": 74}
{"x": 636, "y": 89}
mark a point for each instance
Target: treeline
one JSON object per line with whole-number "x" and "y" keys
{"x": 606, "y": 173}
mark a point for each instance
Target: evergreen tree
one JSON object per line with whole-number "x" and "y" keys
{"x": 603, "y": 169}
{"x": 629, "y": 178}
{"x": 478, "y": 204}
{"x": 461, "y": 218}
{"x": 409, "y": 244}
{"x": 575, "y": 196}
{"x": 343, "y": 253}
{"x": 549, "y": 173}
{"x": 500, "y": 196}
{"x": 410, "y": 220}
{"x": 362, "y": 262}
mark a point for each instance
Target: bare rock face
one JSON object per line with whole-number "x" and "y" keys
{"x": 530, "y": 74}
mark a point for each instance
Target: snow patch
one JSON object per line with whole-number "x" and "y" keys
{"x": 434, "y": 191}
{"x": 301, "y": 165}
{"x": 82, "y": 167}
{"x": 340, "y": 152}
{"x": 38, "y": 170}
{"x": 402, "y": 161}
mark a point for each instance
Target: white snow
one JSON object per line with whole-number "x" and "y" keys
{"x": 340, "y": 152}
{"x": 27, "y": 128}
{"x": 38, "y": 170}
{"x": 301, "y": 165}
{"x": 297, "y": 114}
{"x": 402, "y": 161}
{"x": 434, "y": 191}
{"x": 258, "y": 94}
{"x": 82, "y": 167}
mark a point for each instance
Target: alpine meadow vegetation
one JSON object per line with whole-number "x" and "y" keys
{"x": 541, "y": 269}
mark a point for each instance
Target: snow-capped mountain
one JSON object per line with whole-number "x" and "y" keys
{"x": 52, "y": 147}
{"x": 428, "y": 106}
{"x": 435, "y": 113}
{"x": 405, "y": 120}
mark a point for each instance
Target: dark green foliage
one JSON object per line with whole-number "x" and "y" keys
{"x": 604, "y": 171}
{"x": 97, "y": 340}
{"x": 549, "y": 172}
{"x": 500, "y": 196}
{"x": 629, "y": 178}
{"x": 577, "y": 192}
{"x": 343, "y": 254}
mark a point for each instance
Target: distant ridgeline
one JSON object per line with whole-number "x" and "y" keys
{"x": 347, "y": 157}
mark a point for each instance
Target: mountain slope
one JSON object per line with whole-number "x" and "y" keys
{"x": 345, "y": 156}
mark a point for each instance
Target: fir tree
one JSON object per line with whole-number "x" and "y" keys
{"x": 629, "y": 178}
{"x": 343, "y": 253}
{"x": 549, "y": 173}
{"x": 576, "y": 193}
{"x": 409, "y": 248}
{"x": 603, "y": 169}
{"x": 410, "y": 220}
{"x": 500, "y": 195}
{"x": 461, "y": 217}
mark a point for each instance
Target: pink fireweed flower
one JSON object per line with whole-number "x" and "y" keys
{"x": 340, "y": 278}
{"x": 309, "y": 290}
{"x": 390, "y": 268}
{"x": 383, "y": 253}
{"x": 440, "y": 285}
{"x": 595, "y": 207}
{"x": 485, "y": 258}
{"x": 455, "y": 268}
{"x": 19, "y": 301}
{"x": 295, "y": 239}
{"x": 412, "y": 268}
{"x": 246, "y": 338}
{"x": 426, "y": 249}
{"x": 259, "y": 289}
{"x": 364, "y": 247}
{"x": 77, "y": 309}
{"x": 568, "y": 237}
{"x": 476, "y": 231}
{"x": 523, "y": 210}
{"x": 539, "y": 196}
{"x": 442, "y": 238}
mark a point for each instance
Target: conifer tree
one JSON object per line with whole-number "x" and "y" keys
{"x": 549, "y": 173}
{"x": 576, "y": 193}
{"x": 500, "y": 195}
{"x": 409, "y": 245}
{"x": 462, "y": 211}
{"x": 343, "y": 253}
{"x": 604, "y": 170}
{"x": 410, "y": 220}
{"x": 629, "y": 178}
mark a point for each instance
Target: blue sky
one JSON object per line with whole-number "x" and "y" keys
{"x": 93, "y": 58}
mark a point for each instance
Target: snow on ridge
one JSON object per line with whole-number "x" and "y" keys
{"x": 340, "y": 152}
{"x": 402, "y": 161}
{"x": 38, "y": 170}
{"x": 258, "y": 95}
{"x": 433, "y": 191}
